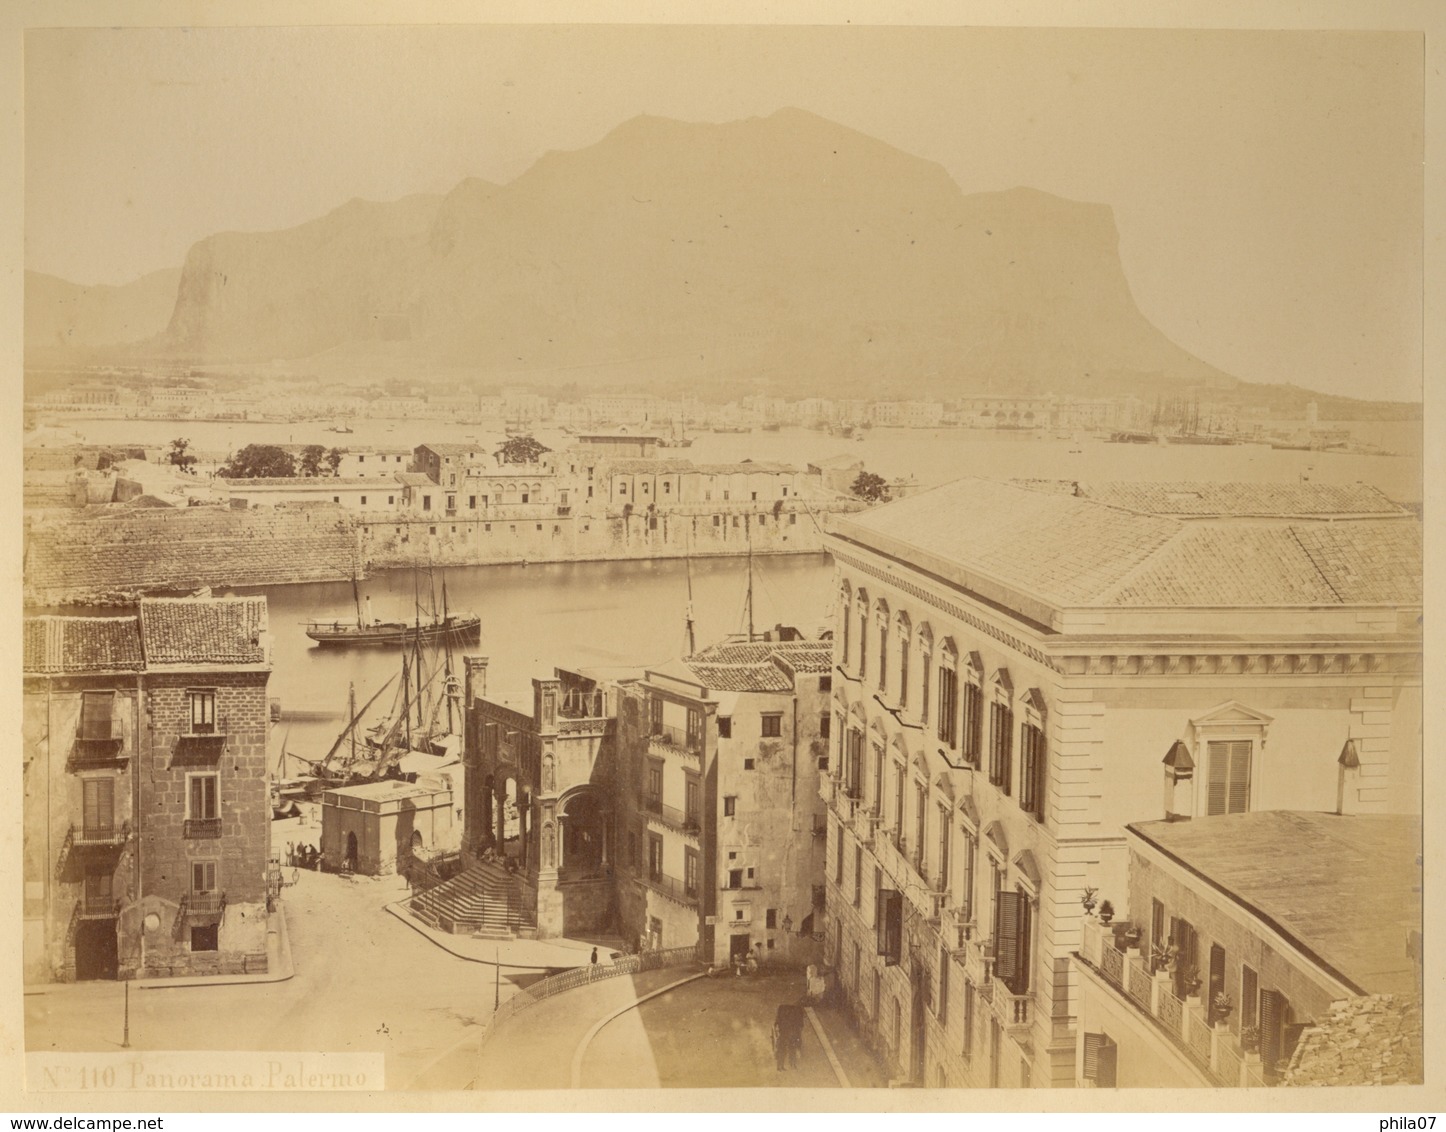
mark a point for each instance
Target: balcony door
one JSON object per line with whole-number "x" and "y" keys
{"x": 98, "y": 812}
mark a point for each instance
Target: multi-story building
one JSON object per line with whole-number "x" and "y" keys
{"x": 1233, "y": 958}
{"x": 146, "y": 809}
{"x": 1021, "y": 671}
{"x": 720, "y": 755}
{"x": 539, "y": 791}
{"x": 373, "y": 463}
{"x": 445, "y": 464}
{"x": 662, "y": 482}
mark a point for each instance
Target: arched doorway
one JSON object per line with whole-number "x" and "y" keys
{"x": 584, "y": 848}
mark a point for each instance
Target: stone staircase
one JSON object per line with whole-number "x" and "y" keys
{"x": 483, "y": 900}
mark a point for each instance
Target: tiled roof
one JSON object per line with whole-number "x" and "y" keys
{"x": 1054, "y": 546}
{"x": 82, "y": 644}
{"x": 1073, "y": 550}
{"x": 1350, "y": 897}
{"x": 1204, "y": 497}
{"x": 414, "y": 479}
{"x": 449, "y": 449}
{"x": 671, "y": 467}
{"x": 745, "y": 667}
{"x": 204, "y": 630}
{"x": 1348, "y": 562}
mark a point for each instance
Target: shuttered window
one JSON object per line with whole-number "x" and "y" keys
{"x": 1157, "y": 932}
{"x": 883, "y": 658}
{"x": 1228, "y": 784}
{"x": 891, "y": 926}
{"x": 858, "y": 876}
{"x": 924, "y": 677}
{"x": 202, "y": 796}
{"x": 973, "y": 722}
{"x": 1187, "y": 946}
{"x": 1031, "y": 771}
{"x": 903, "y": 671}
{"x": 1216, "y": 984}
{"x": 1011, "y": 940}
{"x": 96, "y": 710}
{"x": 948, "y": 706}
{"x": 843, "y": 652}
{"x": 1099, "y": 1060}
{"x": 943, "y": 1011}
{"x": 1273, "y": 1007}
{"x": 863, "y": 642}
{"x": 1249, "y": 996}
{"x": 968, "y": 1049}
{"x": 1001, "y": 729}
{"x": 98, "y": 815}
{"x": 203, "y": 877}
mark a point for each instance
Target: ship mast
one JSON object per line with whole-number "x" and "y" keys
{"x": 688, "y": 612}
{"x": 750, "y": 585}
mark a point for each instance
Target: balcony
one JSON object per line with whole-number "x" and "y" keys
{"x": 680, "y": 821}
{"x": 201, "y": 904}
{"x": 671, "y": 887}
{"x": 1014, "y": 1011}
{"x": 1213, "y": 1050}
{"x": 95, "y": 907}
{"x": 94, "y": 750}
{"x": 99, "y": 836}
{"x": 200, "y": 742}
{"x": 202, "y": 828}
{"x": 672, "y": 740}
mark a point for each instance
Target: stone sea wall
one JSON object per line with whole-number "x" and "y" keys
{"x": 111, "y": 555}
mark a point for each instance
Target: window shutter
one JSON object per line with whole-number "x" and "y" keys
{"x": 95, "y": 714}
{"x": 1217, "y": 979}
{"x": 1006, "y": 935}
{"x": 1108, "y": 1053}
{"x": 1272, "y": 1022}
{"x": 891, "y": 923}
{"x": 1099, "y": 1060}
{"x": 1157, "y": 928}
{"x": 1238, "y": 799}
{"x": 1216, "y": 787}
{"x": 1249, "y": 996}
{"x": 99, "y": 804}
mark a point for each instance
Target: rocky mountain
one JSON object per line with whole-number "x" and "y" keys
{"x": 786, "y": 247}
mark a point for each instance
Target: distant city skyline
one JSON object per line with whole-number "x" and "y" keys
{"x": 1266, "y": 186}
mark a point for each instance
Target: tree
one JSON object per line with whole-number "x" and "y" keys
{"x": 182, "y": 458}
{"x": 259, "y": 461}
{"x": 333, "y": 460}
{"x": 521, "y": 450}
{"x": 870, "y": 487}
{"x": 311, "y": 457}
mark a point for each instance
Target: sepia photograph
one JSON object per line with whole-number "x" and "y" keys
{"x": 598, "y": 559}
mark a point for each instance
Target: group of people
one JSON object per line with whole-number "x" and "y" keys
{"x": 303, "y": 856}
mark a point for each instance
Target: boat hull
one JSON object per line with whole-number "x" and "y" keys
{"x": 340, "y": 634}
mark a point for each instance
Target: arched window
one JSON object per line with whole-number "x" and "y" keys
{"x": 882, "y": 613}
{"x": 926, "y": 659}
{"x": 906, "y": 642}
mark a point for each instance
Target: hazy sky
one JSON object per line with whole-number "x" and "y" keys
{"x": 1267, "y": 186}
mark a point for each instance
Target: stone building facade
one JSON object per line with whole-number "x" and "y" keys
{"x": 1231, "y": 959}
{"x": 1020, "y": 672}
{"x": 147, "y": 812}
{"x": 720, "y": 755}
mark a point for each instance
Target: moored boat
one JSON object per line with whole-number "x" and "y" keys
{"x": 455, "y": 626}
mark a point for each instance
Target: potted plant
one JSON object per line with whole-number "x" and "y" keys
{"x": 1107, "y": 912}
{"x": 1088, "y": 900}
{"x": 1189, "y": 981}
{"x": 1250, "y": 1039}
{"x": 1132, "y": 936}
{"x": 1162, "y": 957}
{"x": 1221, "y": 1006}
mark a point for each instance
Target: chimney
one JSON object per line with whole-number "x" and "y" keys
{"x": 476, "y": 685}
{"x": 1348, "y": 777}
{"x": 1179, "y": 783}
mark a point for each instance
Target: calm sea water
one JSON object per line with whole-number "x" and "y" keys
{"x": 604, "y": 616}
{"x": 930, "y": 455}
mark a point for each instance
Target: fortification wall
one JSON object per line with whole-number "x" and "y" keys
{"x": 675, "y": 533}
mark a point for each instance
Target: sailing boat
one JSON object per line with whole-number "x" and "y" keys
{"x": 368, "y": 630}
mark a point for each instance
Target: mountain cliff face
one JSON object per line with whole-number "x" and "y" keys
{"x": 787, "y": 247}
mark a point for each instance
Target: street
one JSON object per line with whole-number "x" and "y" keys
{"x": 365, "y": 982}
